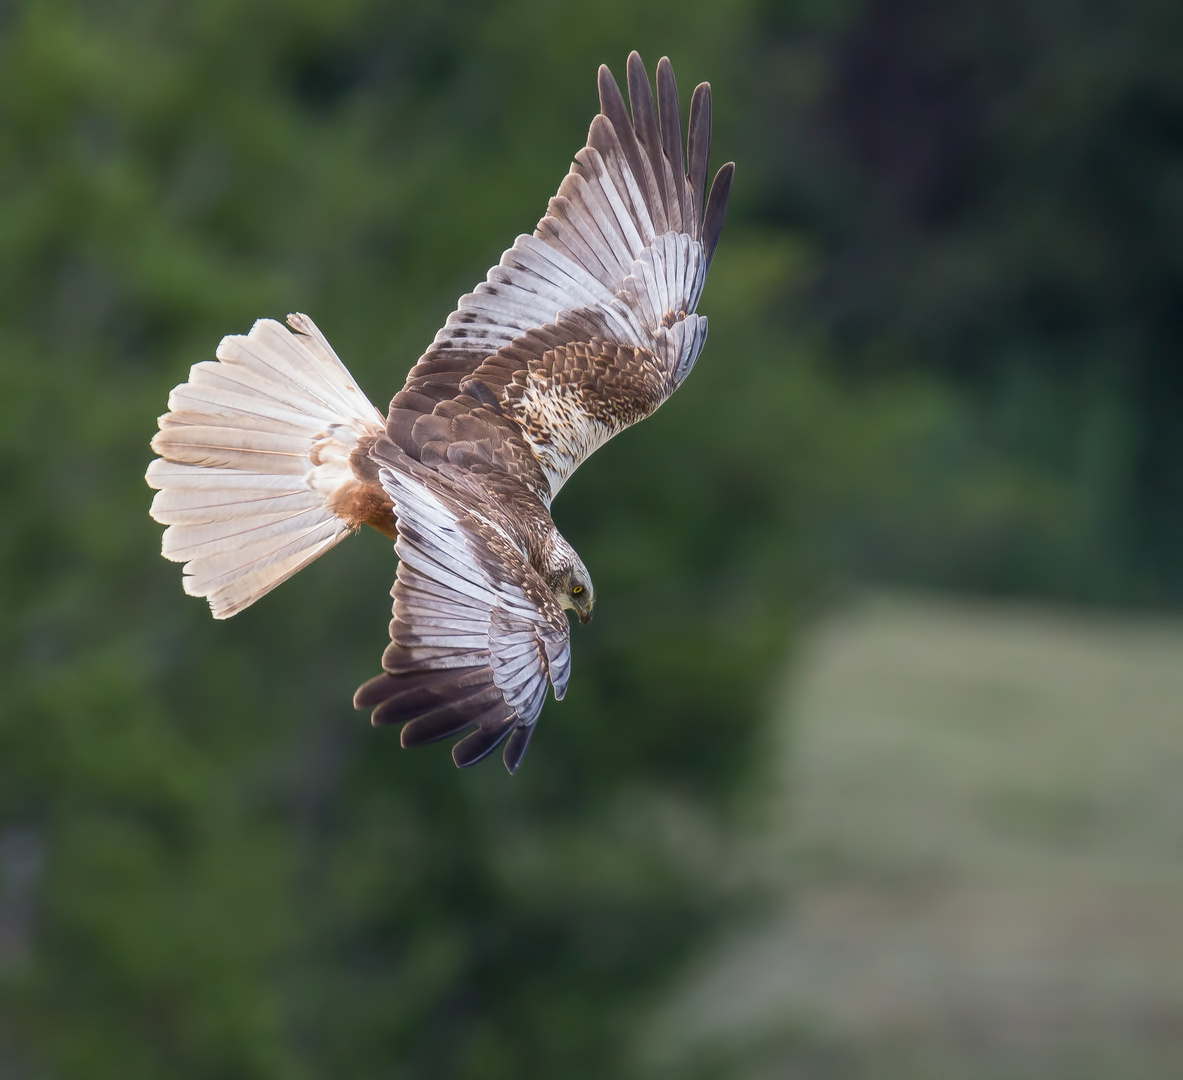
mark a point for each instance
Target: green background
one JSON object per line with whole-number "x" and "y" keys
{"x": 945, "y": 318}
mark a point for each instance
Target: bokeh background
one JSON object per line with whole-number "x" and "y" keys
{"x": 786, "y": 823}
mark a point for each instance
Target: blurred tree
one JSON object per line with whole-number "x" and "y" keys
{"x": 997, "y": 192}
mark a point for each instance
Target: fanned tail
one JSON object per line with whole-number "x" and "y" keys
{"x": 254, "y": 475}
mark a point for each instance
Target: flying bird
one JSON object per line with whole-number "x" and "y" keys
{"x": 271, "y": 454}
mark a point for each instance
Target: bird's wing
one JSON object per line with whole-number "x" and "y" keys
{"x": 476, "y": 635}
{"x": 589, "y": 324}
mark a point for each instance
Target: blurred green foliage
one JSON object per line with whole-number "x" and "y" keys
{"x": 209, "y": 865}
{"x": 997, "y": 190}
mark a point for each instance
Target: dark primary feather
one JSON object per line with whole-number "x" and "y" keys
{"x": 698, "y": 147}
{"x": 712, "y": 227}
{"x": 670, "y": 114}
{"x": 640, "y": 99}
{"x": 516, "y": 745}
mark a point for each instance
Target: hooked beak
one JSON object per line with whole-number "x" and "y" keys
{"x": 584, "y": 617}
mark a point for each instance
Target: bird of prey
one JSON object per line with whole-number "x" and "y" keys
{"x": 271, "y": 454}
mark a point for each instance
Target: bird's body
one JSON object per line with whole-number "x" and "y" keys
{"x": 272, "y": 454}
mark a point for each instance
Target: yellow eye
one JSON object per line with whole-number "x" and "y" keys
{"x": 577, "y": 591}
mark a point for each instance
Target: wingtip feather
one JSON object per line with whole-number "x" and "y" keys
{"x": 716, "y": 212}
{"x": 515, "y": 747}
{"x": 698, "y": 149}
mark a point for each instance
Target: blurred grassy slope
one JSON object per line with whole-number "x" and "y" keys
{"x": 210, "y": 864}
{"x": 978, "y": 822}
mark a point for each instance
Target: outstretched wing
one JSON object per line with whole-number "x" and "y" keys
{"x": 589, "y": 324}
{"x": 476, "y": 636}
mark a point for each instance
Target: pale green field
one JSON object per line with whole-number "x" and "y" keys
{"x": 977, "y": 839}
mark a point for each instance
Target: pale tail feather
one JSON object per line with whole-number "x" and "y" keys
{"x": 252, "y": 450}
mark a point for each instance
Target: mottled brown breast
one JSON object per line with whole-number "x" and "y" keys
{"x": 575, "y": 397}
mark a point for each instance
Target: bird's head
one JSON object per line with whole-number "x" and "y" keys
{"x": 579, "y": 595}
{"x": 568, "y": 579}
